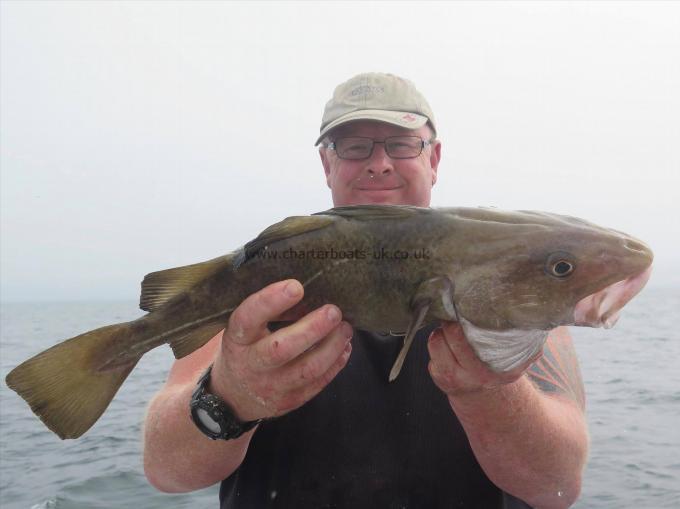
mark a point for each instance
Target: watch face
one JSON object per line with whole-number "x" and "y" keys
{"x": 207, "y": 421}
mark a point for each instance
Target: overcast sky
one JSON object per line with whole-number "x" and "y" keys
{"x": 140, "y": 136}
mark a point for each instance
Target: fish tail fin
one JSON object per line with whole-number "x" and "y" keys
{"x": 69, "y": 386}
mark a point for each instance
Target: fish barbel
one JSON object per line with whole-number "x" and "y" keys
{"x": 509, "y": 277}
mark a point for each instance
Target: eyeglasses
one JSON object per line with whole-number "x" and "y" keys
{"x": 397, "y": 147}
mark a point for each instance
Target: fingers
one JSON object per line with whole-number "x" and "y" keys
{"x": 315, "y": 363}
{"x": 248, "y": 322}
{"x": 455, "y": 339}
{"x": 308, "y": 391}
{"x": 296, "y": 397}
{"x": 439, "y": 350}
{"x": 264, "y": 374}
{"x": 287, "y": 344}
{"x": 297, "y": 382}
{"x": 455, "y": 367}
{"x": 276, "y": 391}
{"x": 443, "y": 366}
{"x": 450, "y": 352}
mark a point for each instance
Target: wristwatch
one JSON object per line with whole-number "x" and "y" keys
{"x": 213, "y": 416}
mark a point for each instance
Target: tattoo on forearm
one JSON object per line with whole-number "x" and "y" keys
{"x": 558, "y": 371}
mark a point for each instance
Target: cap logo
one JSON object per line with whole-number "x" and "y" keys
{"x": 367, "y": 89}
{"x": 408, "y": 117}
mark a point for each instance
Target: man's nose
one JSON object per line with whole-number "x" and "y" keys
{"x": 379, "y": 163}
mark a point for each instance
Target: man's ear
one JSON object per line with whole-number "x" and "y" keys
{"x": 326, "y": 164}
{"x": 435, "y": 157}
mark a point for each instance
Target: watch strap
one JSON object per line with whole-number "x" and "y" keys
{"x": 204, "y": 406}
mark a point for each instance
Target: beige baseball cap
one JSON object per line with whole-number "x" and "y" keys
{"x": 376, "y": 96}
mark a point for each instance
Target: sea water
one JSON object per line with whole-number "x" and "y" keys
{"x": 631, "y": 376}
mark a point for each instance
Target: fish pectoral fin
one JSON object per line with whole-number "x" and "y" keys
{"x": 159, "y": 287}
{"x": 289, "y": 227}
{"x": 438, "y": 292}
{"x": 504, "y": 350}
{"x": 185, "y": 344}
{"x": 416, "y": 323}
{"x": 433, "y": 299}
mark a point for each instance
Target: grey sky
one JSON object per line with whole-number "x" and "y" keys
{"x": 140, "y": 136}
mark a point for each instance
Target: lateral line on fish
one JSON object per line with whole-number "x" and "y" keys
{"x": 335, "y": 264}
{"x": 203, "y": 320}
{"x": 161, "y": 337}
{"x": 312, "y": 278}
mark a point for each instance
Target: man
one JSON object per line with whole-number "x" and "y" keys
{"x": 449, "y": 432}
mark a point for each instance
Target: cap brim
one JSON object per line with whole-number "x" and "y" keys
{"x": 404, "y": 119}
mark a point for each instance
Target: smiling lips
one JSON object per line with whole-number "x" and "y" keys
{"x": 378, "y": 188}
{"x": 373, "y": 184}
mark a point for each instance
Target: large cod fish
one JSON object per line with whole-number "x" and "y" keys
{"x": 507, "y": 277}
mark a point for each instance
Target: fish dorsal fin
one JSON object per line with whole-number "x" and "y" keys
{"x": 159, "y": 287}
{"x": 289, "y": 227}
{"x": 373, "y": 212}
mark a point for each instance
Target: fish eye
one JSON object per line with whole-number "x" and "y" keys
{"x": 562, "y": 268}
{"x": 560, "y": 265}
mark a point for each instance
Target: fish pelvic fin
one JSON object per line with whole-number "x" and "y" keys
{"x": 159, "y": 287}
{"x": 66, "y": 385}
{"x": 433, "y": 299}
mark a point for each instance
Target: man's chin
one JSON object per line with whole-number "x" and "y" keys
{"x": 379, "y": 197}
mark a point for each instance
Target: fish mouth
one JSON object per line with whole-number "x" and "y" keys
{"x": 601, "y": 309}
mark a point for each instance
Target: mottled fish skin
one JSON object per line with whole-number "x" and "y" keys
{"x": 388, "y": 268}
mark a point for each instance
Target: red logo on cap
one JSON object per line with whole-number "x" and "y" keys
{"x": 408, "y": 117}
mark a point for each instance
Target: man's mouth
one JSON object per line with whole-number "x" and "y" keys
{"x": 378, "y": 188}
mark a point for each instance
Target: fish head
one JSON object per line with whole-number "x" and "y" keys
{"x": 534, "y": 270}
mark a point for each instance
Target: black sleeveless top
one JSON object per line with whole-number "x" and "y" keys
{"x": 366, "y": 442}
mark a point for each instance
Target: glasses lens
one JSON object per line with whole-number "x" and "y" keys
{"x": 403, "y": 147}
{"x": 353, "y": 148}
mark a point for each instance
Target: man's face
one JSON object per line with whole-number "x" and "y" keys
{"x": 381, "y": 179}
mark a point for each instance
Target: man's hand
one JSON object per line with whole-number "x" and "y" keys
{"x": 530, "y": 443}
{"x": 455, "y": 367}
{"x": 265, "y": 374}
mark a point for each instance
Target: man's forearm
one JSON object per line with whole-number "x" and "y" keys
{"x": 531, "y": 445}
{"x": 177, "y": 456}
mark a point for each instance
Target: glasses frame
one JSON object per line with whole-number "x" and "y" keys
{"x": 423, "y": 144}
